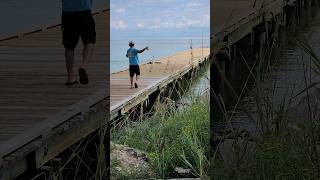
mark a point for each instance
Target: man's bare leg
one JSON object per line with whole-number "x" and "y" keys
{"x": 69, "y": 57}
{"x": 137, "y": 78}
{"x": 131, "y": 81}
{"x": 87, "y": 54}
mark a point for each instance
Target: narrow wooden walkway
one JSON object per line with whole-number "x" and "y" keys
{"x": 32, "y": 75}
{"x": 153, "y": 76}
{"x": 224, "y": 12}
{"x": 237, "y": 18}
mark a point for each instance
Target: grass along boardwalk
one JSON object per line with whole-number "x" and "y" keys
{"x": 154, "y": 76}
{"x": 36, "y": 108}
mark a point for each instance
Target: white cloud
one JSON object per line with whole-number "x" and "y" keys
{"x": 161, "y": 16}
{"x": 119, "y": 25}
{"x": 120, "y": 10}
{"x": 178, "y": 23}
{"x": 194, "y": 4}
{"x": 154, "y": 27}
{"x": 140, "y": 25}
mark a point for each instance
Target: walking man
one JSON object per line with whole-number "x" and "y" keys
{"x": 134, "y": 69}
{"x": 77, "y": 22}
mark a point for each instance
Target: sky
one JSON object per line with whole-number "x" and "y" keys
{"x": 159, "y": 18}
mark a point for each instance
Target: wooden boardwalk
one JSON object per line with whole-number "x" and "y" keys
{"x": 237, "y": 18}
{"x": 33, "y": 98}
{"x": 225, "y": 11}
{"x": 153, "y": 76}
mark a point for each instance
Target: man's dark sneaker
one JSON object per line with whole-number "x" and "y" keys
{"x": 71, "y": 83}
{"x": 135, "y": 85}
{"x": 83, "y": 76}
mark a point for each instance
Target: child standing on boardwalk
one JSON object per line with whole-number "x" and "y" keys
{"x": 132, "y": 54}
{"x": 77, "y": 22}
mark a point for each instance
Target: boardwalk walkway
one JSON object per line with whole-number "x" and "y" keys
{"x": 226, "y": 11}
{"x": 153, "y": 76}
{"x": 33, "y": 97}
{"x": 237, "y": 18}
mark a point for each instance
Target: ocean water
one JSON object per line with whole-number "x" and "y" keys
{"x": 20, "y": 16}
{"x": 157, "y": 48}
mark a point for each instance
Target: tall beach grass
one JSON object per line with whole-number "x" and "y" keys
{"x": 172, "y": 138}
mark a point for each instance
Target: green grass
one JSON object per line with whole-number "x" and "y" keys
{"x": 277, "y": 158}
{"x": 280, "y": 158}
{"x": 172, "y": 138}
{"x": 286, "y": 148}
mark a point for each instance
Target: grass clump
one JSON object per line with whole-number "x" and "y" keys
{"x": 287, "y": 125}
{"x": 172, "y": 138}
{"x": 280, "y": 158}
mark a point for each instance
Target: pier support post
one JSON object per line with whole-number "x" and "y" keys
{"x": 283, "y": 18}
{"x": 299, "y": 9}
{"x": 308, "y": 9}
{"x": 260, "y": 38}
{"x": 270, "y": 26}
{"x": 141, "y": 110}
{"x": 230, "y": 66}
{"x": 217, "y": 71}
{"x": 315, "y": 2}
{"x": 289, "y": 12}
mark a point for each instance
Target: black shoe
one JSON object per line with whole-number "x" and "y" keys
{"x": 71, "y": 83}
{"x": 83, "y": 76}
{"x": 135, "y": 85}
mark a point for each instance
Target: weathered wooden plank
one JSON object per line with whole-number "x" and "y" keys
{"x": 43, "y": 129}
{"x": 239, "y": 17}
{"x": 33, "y": 97}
